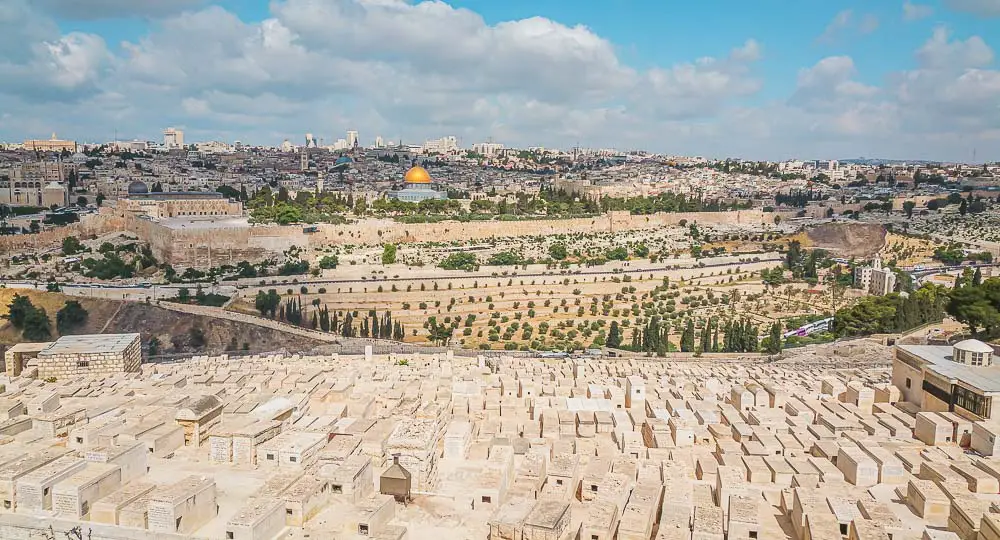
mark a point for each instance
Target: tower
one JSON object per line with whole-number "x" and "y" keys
{"x": 172, "y": 138}
{"x": 352, "y": 139}
{"x": 304, "y": 159}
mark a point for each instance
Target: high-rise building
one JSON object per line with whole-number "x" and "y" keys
{"x": 304, "y": 159}
{"x": 442, "y": 145}
{"x": 379, "y": 143}
{"x": 352, "y": 139}
{"x": 488, "y": 149}
{"x": 173, "y": 138}
{"x": 310, "y": 141}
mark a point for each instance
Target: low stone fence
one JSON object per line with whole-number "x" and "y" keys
{"x": 31, "y": 527}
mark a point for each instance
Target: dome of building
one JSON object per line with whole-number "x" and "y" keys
{"x": 343, "y": 159}
{"x": 417, "y": 175}
{"x": 974, "y": 346}
{"x": 137, "y": 188}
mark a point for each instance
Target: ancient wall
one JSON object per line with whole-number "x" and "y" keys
{"x": 203, "y": 247}
{"x": 373, "y": 231}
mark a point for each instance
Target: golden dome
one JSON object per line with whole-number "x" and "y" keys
{"x": 417, "y": 175}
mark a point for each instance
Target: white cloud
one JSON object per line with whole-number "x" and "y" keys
{"x": 869, "y": 23}
{"x": 840, "y": 22}
{"x": 40, "y": 64}
{"x": 419, "y": 70}
{"x": 982, "y": 8}
{"x": 915, "y": 12}
{"x": 844, "y": 22}
{"x": 828, "y": 84}
{"x": 112, "y": 9}
{"x": 939, "y": 52}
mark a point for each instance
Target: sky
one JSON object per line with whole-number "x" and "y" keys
{"x": 759, "y": 79}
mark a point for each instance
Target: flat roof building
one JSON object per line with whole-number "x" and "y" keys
{"x": 960, "y": 379}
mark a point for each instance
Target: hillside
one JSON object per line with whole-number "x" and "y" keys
{"x": 173, "y": 329}
{"x": 847, "y": 239}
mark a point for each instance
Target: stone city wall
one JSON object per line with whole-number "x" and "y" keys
{"x": 374, "y": 231}
{"x": 203, "y": 247}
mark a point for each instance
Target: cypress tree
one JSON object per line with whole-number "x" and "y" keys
{"x": 687, "y": 337}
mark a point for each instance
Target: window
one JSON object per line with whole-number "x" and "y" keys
{"x": 559, "y": 482}
{"x": 487, "y": 500}
{"x": 270, "y": 457}
{"x": 753, "y": 535}
{"x": 843, "y": 529}
{"x": 337, "y": 488}
{"x": 908, "y": 382}
{"x": 363, "y": 529}
{"x": 288, "y": 511}
{"x": 593, "y": 488}
{"x": 45, "y": 491}
{"x": 6, "y": 504}
{"x": 971, "y": 401}
{"x": 79, "y": 440}
{"x": 293, "y": 459}
{"x": 82, "y": 363}
{"x": 230, "y": 535}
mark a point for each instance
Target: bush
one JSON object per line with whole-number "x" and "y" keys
{"x": 291, "y": 268}
{"x": 71, "y": 246}
{"x": 460, "y": 261}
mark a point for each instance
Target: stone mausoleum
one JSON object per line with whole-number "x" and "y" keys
{"x": 103, "y": 354}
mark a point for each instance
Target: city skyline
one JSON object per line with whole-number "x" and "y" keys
{"x": 899, "y": 80}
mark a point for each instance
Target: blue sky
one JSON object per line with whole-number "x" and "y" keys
{"x": 766, "y": 79}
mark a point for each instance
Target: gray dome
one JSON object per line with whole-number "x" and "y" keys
{"x": 137, "y": 188}
{"x": 974, "y": 345}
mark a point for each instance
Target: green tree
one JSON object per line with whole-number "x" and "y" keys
{"x": 460, "y": 261}
{"x": 71, "y": 245}
{"x": 389, "y": 254}
{"x": 70, "y": 316}
{"x": 908, "y": 207}
{"x": 687, "y": 337}
{"x": 558, "y": 251}
{"x": 267, "y": 303}
{"x": 18, "y": 310}
{"x": 154, "y": 346}
{"x": 614, "y": 339}
{"x": 328, "y": 262}
{"x": 976, "y": 307}
{"x": 772, "y": 344}
{"x": 37, "y": 326}
{"x": 617, "y": 254}
{"x": 81, "y": 201}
